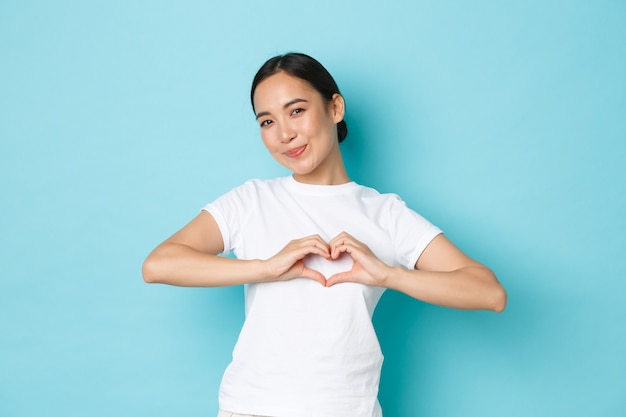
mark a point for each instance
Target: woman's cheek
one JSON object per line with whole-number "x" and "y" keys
{"x": 265, "y": 136}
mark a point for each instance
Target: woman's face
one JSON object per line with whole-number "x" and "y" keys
{"x": 299, "y": 128}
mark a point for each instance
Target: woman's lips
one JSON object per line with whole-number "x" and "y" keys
{"x": 295, "y": 152}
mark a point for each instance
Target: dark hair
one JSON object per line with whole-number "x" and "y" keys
{"x": 306, "y": 68}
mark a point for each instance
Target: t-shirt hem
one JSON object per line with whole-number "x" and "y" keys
{"x": 273, "y": 411}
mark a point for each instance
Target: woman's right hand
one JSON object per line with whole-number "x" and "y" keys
{"x": 288, "y": 263}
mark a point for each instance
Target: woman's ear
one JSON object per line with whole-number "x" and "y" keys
{"x": 337, "y": 107}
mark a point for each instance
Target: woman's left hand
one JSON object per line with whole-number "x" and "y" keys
{"x": 366, "y": 269}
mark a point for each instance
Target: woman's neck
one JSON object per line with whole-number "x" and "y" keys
{"x": 331, "y": 172}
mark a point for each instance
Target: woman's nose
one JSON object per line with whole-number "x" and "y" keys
{"x": 287, "y": 134}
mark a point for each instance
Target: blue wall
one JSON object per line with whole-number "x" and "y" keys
{"x": 502, "y": 122}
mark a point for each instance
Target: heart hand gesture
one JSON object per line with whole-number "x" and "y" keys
{"x": 287, "y": 264}
{"x": 367, "y": 268}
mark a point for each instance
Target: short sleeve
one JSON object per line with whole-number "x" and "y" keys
{"x": 411, "y": 233}
{"x": 229, "y": 213}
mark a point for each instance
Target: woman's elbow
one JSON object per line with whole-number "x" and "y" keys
{"x": 150, "y": 270}
{"x": 494, "y": 294}
{"x": 498, "y": 299}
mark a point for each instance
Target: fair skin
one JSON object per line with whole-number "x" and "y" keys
{"x": 298, "y": 127}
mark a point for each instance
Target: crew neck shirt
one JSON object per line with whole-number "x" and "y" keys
{"x": 306, "y": 350}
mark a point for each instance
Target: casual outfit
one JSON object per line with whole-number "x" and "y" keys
{"x": 306, "y": 350}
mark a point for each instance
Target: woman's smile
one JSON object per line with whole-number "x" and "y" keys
{"x": 295, "y": 152}
{"x": 299, "y": 128}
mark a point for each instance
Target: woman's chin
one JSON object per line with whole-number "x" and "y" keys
{"x": 300, "y": 169}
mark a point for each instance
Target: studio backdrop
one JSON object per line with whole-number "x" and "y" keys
{"x": 504, "y": 123}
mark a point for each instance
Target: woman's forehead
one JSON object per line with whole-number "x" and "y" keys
{"x": 281, "y": 88}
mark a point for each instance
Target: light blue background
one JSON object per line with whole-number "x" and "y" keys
{"x": 502, "y": 122}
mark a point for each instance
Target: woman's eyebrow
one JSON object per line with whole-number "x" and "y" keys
{"x": 286, "y": 105}
{"x": 294, "y": 101}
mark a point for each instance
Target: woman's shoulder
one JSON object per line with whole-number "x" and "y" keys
{"x": 265, "y": 182}
{"x": 254, "y": 187}
{"x": 371, "y": 192}
{"x": 253, "y": 183}
{"x": 261, "y": 184}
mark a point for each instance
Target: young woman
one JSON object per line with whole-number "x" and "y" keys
{"x": 315, "y": 252}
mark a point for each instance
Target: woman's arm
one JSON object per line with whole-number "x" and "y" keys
{"x": 443, "y": 275}
{"x": 189, "y": 258}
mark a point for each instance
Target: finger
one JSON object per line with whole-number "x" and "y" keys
{"x": 314, "y": 275}
{"x": 321, "y": 247}
{"x": 337, "y": 246}
{"x": 341, "y": 243}
{"x": 343, "y": 247}
{"x": 317, "y": 238}
{"x": 303, "y": 248}
{"x": 341, "y": 237}
{"x": 315, "y": 250}
{"x": 339, "y": 278}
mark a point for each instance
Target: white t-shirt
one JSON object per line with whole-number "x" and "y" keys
{"x": 306, "y": 350}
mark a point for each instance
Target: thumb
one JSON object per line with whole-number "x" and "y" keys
{"x": 314, "y": 275}
{"x": 339, "y": 278}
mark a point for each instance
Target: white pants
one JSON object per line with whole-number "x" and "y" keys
{"x": 228, "y": 414}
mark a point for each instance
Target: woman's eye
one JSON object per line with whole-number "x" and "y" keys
{"x": 265, "y": 123}
{"x": 297, "y": 111}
